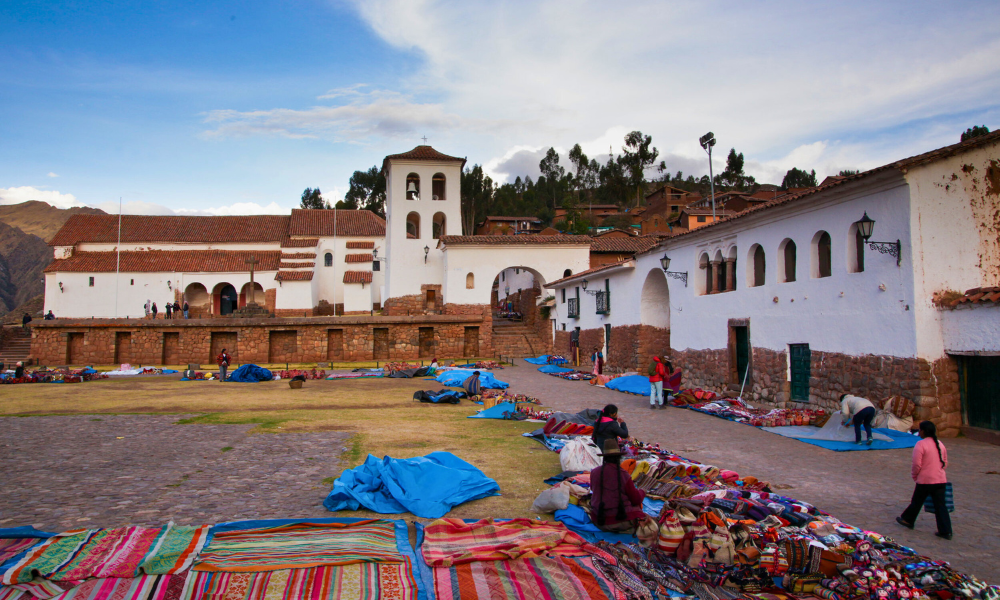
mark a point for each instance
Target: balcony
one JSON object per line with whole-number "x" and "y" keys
{"x": 573, "y": 308}
{"x": 603, "y": 300}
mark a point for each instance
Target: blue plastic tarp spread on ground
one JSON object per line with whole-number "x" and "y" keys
{"x": 500, "y": 411}
{"x": 250, "y": 374}
{"x": 455, "y": 377}
{"x": 554, "y": 369}
{"x": 427, "y": 486}
{"x": 541, "y": 360}
{"x": 900, "y": 439}
{"x": 633, "y": 384}
{"x": 578, "y": 521}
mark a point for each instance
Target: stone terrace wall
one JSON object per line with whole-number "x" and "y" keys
{"x": 305, "y": 340}
{"x": 633, "y": 347}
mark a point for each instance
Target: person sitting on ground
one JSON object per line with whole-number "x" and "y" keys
{"x": 861, "y": 412}
{"x": 609, "y": 426}
{"x": 930, "y": 458}
{"x": 616, "y": 504}
{"x": 434, "y": 366}
{"x": 49, "y": 316}
{"x": 471, "y": 385}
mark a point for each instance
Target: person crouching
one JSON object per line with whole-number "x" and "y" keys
{"x": 616, "y": 504}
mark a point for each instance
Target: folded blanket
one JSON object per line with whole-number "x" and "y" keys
{"x": 450, "y": 542}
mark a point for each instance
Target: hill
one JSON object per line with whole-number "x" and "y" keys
{"x": 40, "y": 218}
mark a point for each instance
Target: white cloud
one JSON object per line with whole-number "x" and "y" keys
{"x": 24, "y": 193}
{"x": 239, "y": 208}
{"x": 51, "y": 174}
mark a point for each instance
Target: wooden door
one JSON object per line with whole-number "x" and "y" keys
{"x": 471, "y": 348}
{"x": 123, "y": 347}
{"x": 800, "y": 357}
{"x": 431, "y": 299}
{"x": 74, "y": 349}
{"x": 335, "y": 344}
{"x": 981, "y": 380}
{"x": 742, "y": 335}
{"x": 426, "y": 342}
{"x": 171, "y": 348}
{"x": 380, "y": 343}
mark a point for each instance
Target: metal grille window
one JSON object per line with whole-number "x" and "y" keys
{"x": 603, "y": 302}
{"x": 573, "y": 308}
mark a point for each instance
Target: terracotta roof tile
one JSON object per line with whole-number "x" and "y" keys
{"x": 297, "y": 255}
{"x": 299, "y": 243}
{"x": 103, "y": 229}
{"x": 296, "y": 265}
{"x": 979, "y": 295}
{"x": 532, "y": 219}
{"x": 360, "y": 245}
{"x": 422, "y": 153}
{"x": 167, "y": 261}
{"x": 357, "y": 276}
{"x": 358, "y": 258}
{"x": 320, "y": 222}
{"x": 513, "y": 240}
{"x": 620, "y": 244}
{"x": 622, "y": 263}
{"x": 293, "y": 276}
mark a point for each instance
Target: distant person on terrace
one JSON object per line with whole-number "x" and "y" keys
{"x": 49, "y": 316}
{"x": 24, "y": 322}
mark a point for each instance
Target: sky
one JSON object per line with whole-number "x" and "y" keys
{"x": 235, "y": 107}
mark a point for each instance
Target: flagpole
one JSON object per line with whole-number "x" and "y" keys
{"x": 118, "y": 254}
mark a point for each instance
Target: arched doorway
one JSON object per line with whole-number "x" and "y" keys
{"x": 654, "y": 302}
{"x": 224, "y": 299}
{"x": 256, "y": 296}
{"x": 198, "y": 299}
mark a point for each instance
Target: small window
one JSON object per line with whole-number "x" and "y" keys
{"x": 328, "y": 259}
{"x": 759, "y": 266}
{"x": 567, "y": 273}
{"x": 470, "y": 281}
{"x": 855, "y": 250}
{"x": 563, "y": 301}
{"x": 413, "y": 186}
{"x": 503, "y": 275}
{"x": 439, "y": 226}
{"x": 413, "y": 225}
{"x": 821, "y": 255}
{"x": 438, "y": 186}
{"x": 564, "y": 327}
{"x": 701, "y": 218}
{"x": 131, "y": 281}
{"x": 91, "y": 282}
{"x": 786, "y": 254}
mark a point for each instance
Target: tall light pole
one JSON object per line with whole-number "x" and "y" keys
{"x": 707, "y": 141}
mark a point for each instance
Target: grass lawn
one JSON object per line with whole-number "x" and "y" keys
{"x": 380, "y": 413}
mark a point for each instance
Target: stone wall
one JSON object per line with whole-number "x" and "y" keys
{"x": 633, "y": 347}
{"x": 589, "y": 339}
{"x": 257, "y": 340}
{"x": 415, "y": 304}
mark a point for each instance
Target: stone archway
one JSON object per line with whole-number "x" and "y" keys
{"x": 198, "y": 299}
{"x": 517, "y": 328}
{"x": 654, "y": 301}
{"x": 224, "y": 299}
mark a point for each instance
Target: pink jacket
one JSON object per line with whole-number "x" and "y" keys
{"x": 927, "y": 467}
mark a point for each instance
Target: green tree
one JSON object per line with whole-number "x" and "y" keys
{"x": 366, "y": 190}
{"x": 622, "y": 222}
{"x": 975, "y": 131}
{"x": 798, "y": 178}
{"x": 477, "y": 196}
{"x": 847, "y": 172}
{"x": 553, "y": 173}
{"x": 313, "y": 198}
{"x": 638, "y": 154}
{"x": 734, "y": 177}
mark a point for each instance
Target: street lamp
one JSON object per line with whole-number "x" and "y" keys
{"x": 375, "y": 260}
{"x": 583, "y": 284}
{"x": 665, "y": 263}
{"x": 426, "y": 251}
{"x": 707, "y": 141}
{"x": 865, "y": 226}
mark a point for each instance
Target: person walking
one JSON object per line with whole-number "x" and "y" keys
{"x": 609, "y": 426}
{"x": 186, "y": 308}
{"x": 223, "y": 359}
{"x": 930, "y": 458}
{"x": 598, "y": 359}
{"x": 656, "y": 374}
{"x": 168, "y": 308}
{"x": 154, "y": 309}
{"x": 861, "y": 412}
{"x": 24, "y": 322}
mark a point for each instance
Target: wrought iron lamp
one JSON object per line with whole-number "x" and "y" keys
{"x": 865, "y": 227}
{"x": 665, "y": 263}
{"x": 376, "y": 266}
{"x": 426, "y": 252}
{"x": 583, "y": 284}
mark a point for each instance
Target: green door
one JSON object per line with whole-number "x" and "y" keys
{"x": 742, "y": 352}
{"x": 981, "y": 380}
{"x": 800, "y": 357}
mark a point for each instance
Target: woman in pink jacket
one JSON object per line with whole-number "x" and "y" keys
{"x": 930, "y": 458}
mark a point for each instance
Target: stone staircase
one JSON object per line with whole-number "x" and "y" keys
{"x": 517, "y": 340}
{"x": 16, "y": 346}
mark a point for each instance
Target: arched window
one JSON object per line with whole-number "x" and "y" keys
{"x": 755, "y": 276}
{"x": 719, "y": 283}
{"x": 470, "y": 281}
{"x": 413, "y": 186}
{"x": 786, "y": 258}
{"x": 328, "y": 260}
{"x": 439, "y": 226}
{"x": 855, "y": 250}
{"x": 438, "y": 187}
{"x": 413, "y": 225}
{"x": 567, "y": 273}
{"x": 821, "y": 264}
{"x": 704, "y": 283}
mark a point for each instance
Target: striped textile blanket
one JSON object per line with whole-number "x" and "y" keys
{"x": 524, "y": 579}
{"x": 300, "y": 545}
{"x": 144, "y": 587}
{"x": 449, "y": 542}
{"x": 48, "y": 557}
{"x": 11, "y": 547}
{"x": 37, "y": 588}
{"x": 368, "y": 581}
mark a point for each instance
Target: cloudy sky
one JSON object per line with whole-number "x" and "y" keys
{"x": 235, "y": 107}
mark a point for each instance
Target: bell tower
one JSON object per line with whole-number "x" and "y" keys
{"x": 423, "y": 202}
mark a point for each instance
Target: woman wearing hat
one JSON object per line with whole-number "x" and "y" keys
{"x": 616, "y": 504}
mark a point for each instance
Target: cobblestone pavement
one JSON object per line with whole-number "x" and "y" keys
{"x": 868, "y": 489}
{"x": 59, "y": 473}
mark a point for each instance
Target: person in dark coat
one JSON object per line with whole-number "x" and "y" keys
{"x": 155, "y": 310}
{"x": 223, "y": 359}
{"x": 471, "y": 384}
{"x": 616, "y": 504}
{"x": 169, "y": 308}
{"x": 19, "y": 370}
{"x": 24, "y": 322}
{"x": 186, "y": 309}
{"x": 609, "y": 426}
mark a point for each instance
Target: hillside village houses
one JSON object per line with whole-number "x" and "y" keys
{"x": 786, "y": 297}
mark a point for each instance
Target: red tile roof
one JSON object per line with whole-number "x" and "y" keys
{"x": 320, "y": 222}
{"x": 422, "y": 153}
{"x": 531, "y": 219}
{"x": 145, "y": 228}
{"x": 622, "y": 263}
{"x": 979, "y": 295}
{"x": 358, "y": 258}
{"x": 295, "y": 255}
{"x": 294, "y": 275}
{"x": 299, "y": 243}
{"x": 360, "y": 245}
{"x": 622, "y": 244}
{"x": 167, "y": 261}
{"x": 357, "y": 276}
{"x": 513, "y": 240}
{"x": 296, "y": 265}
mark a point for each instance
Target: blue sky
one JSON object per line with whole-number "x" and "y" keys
{"x": 235, "y": 107}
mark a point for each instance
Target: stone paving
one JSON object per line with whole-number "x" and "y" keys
{"x": 109, "y": 470}
{"x": 867, "y": 489}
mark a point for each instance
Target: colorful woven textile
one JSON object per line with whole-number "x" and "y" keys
{"x": 146, "y": 587}
{"x": 449, "y": 542}
{"x": 11, "y": 547}
{"x": 364, "y": 581}
{"x": 300, "y": 545}
{"x": 37, "y": 588}
{"x": 527, "y": 579}
{"x": 47, "y": 557}
{"x": 175, "y": 550}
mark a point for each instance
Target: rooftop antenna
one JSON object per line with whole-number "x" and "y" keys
{"x": 118, "y": 254}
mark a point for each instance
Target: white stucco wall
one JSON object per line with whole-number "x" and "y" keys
{"x": 293, "y": 295}
{"x": 516, "y": 279}
{"x": 406, "y": 269}
{"x": 357, "y": 297}
{"x": 546, "y": 262}
{"x": 328, "y": 282}
{"x": 971, "y": 329}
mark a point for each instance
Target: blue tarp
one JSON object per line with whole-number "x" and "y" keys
{"x": 496, "y": 412}
{"x": 900, "y": 439}
{"x": 554, "y": 369}
{"x": 541, "y": 360}
{"x": 578, "y": 521}
{"x": 455, "y": 377}
{"x": 427, "y": 486}
{"x": 633, "y": 384}
{"x": 250, "y": 374}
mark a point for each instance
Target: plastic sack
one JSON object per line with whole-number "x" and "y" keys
{"x": 579, "y": 454}
{"x": 551, "y": 500}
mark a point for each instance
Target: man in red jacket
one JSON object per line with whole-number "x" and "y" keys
{"x": 223, "y": 359}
